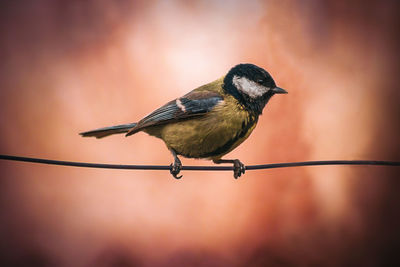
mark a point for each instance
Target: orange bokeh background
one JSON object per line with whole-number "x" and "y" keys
{"x": 72, "y": 66}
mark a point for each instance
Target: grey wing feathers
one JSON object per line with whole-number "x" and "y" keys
{"x": 190, "y": 105}
{"x": 166, "y": 112}
{"x": 193, "y": 106}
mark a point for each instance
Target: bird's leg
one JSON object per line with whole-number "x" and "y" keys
{"x": 239, "y": 167}
{"x": 176, "y": 167}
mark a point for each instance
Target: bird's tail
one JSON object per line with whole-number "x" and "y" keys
{"x": 106, "y": 131}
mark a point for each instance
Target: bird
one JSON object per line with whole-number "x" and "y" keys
{"x": 209, "y": 121}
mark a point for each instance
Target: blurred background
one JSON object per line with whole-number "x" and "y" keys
{"x": 72, "y": 66}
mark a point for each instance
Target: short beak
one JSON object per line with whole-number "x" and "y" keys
{"x": 278, "y": 90}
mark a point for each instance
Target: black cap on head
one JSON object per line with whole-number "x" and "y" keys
{"x": 253, "y": 73}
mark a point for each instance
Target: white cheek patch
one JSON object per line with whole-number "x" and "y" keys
{"x": 249, "y": 87}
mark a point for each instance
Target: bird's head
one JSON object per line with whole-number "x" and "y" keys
{"x": 252, "y": 86}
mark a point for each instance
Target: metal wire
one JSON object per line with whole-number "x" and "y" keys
{"x": 200, "y": 168}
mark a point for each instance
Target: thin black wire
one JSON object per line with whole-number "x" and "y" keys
{"x": 200, "y": 168}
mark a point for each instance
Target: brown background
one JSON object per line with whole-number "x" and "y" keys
{"x": 71, "y": 66}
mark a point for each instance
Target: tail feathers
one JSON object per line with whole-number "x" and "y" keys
{"x": 106, "y": 131}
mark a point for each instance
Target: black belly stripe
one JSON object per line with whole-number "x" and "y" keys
{"x": 246, "y": 125}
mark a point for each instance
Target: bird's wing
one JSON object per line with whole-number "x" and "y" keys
{"x": 195, "y": 103}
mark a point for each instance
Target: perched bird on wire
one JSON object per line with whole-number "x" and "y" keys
{"x": 209, "y": 121}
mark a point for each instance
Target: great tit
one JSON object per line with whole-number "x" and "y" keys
{"x": 209, "y": 121}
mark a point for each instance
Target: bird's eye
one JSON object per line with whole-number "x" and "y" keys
{"x": 260, "y": 81}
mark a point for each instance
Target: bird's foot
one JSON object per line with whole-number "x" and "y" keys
{"x": 175, "y": 168}
{"x": 239, "y": 168}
